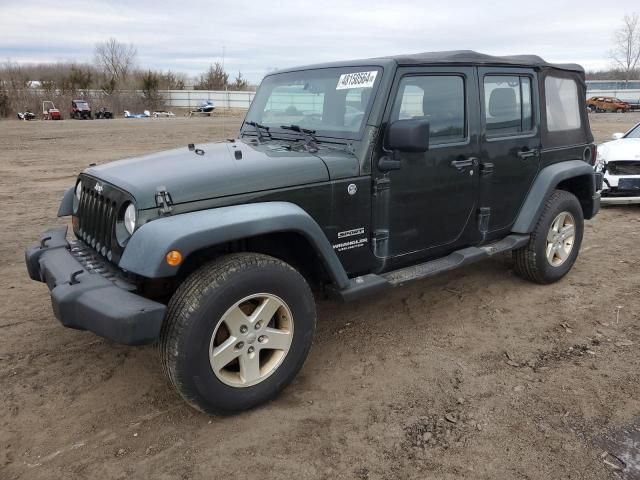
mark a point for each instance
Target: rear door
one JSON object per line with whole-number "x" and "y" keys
{"x": 510, "y": 155}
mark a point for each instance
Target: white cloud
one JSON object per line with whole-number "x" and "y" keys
{"x": 259, "y": 36}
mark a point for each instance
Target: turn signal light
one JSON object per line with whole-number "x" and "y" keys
{"x": 174, "y": 258}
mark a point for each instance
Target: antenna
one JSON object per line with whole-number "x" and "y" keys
{"x": 226, "y": 89}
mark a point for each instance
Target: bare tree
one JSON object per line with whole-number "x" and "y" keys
{"x": 626, "y": 46}
{"x": 213, "y": 79}
{"x": 240, "y": 83}
{"x": 116, "y": 60}
{"x": 150, "y": 83}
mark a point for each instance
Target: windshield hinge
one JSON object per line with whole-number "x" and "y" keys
{"x": 163, "y": 200}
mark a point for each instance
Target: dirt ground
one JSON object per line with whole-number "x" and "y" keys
{"x": 473, "y": 374}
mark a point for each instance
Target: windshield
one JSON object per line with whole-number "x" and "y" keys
{"x": 332, "y": 101}
{"x": 634, "y": 132}
{"x": 82, "y": 105}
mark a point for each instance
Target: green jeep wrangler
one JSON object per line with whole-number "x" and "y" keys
{"x": 346, "y": 179}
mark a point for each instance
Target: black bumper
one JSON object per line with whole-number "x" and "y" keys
{"x": 86, "y": 300}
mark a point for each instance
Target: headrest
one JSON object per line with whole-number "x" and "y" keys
{"x": 503, "y": 103}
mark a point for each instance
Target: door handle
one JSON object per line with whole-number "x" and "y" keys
{"x": 464, "y": 163}
{"x": 528, "y": 153}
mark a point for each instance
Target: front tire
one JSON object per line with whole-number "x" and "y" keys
{"x": 555, "y": 241}
{"x": 237, "y": 332}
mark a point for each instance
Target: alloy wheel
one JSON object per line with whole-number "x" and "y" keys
{"x": 251, "y": 340}
{"x": 560, "y": 239}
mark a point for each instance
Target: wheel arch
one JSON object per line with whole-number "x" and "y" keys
{"x": 66, "y": 205}
{"x": 289, "y": 246}
{"x": 575, "y": 176}
{"x": 250, "y": 227}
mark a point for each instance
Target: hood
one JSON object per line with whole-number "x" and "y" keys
{"x": 223, "y": 169}
{"x": 622, "y": 149}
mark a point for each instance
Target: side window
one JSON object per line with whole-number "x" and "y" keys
{"x": 507, "y": 104}
{"x": 437, "y": 98}
{"x": 563, "y": 107}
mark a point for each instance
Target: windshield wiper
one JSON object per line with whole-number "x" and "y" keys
{"x": 259, "y": 127}
{"x": 310, "y": 141}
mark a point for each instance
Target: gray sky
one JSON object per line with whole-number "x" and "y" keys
{"x": 259, "y": 36}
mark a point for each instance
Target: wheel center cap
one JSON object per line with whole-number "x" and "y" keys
{"x": 251, "y": 338}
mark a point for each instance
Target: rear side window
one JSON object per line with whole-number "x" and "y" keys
{"x": 563, "y": 107}
{"x": 437, "y": 98}
{"x": 507, "y": 105}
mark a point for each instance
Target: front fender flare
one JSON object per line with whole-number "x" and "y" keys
{"x": 188, "y": 232}
{"x": 66, "y": 205}
{"x": 544, "y": 185}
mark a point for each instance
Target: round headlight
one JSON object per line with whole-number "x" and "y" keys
{"x": 130, "y": 218}
{"x": 78, "y": 190}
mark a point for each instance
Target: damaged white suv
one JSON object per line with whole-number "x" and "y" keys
{"x": 619, "y": 161}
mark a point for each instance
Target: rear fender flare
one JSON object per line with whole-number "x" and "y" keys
{"x": 188, "y": 232}
{"x": 545, "y": 183}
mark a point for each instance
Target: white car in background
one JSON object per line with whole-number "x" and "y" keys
{"x": 619, "y": 160}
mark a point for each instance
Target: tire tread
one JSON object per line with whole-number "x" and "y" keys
{"x": 525, "y": 264}
{"x": 186, "y": 300}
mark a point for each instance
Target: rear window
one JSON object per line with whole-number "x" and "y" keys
{"x": 563, "y": 107}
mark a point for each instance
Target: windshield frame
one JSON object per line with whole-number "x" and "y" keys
{"x": 319, "y": 132}
{"x": 635, "y": 129}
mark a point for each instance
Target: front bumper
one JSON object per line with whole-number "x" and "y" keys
{"x": 85, "y": 300}
{"x": 619, "y": 200}
{"x": 621, "y": 189}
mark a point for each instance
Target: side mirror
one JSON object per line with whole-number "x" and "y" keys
{"x": 411, "y": 135}
{"x": 617, "y": 136}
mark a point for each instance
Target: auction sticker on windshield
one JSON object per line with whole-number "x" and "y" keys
{"x": 356, "y": 80}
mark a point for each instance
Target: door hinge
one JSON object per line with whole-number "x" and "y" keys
{"x": 486, "y": 168}
{"x": 380, "y": 235}
{"x": 163, "y": 201}
{"x": 380, "y": 184}
{"x": 484, "y": 213}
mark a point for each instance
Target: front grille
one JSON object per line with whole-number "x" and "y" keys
{"x": 94, "y": 263}
{"x": 624, "y": 168}
{"x": 97, "y": 217}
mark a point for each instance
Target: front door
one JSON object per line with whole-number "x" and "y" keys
{"x": 427, "y": 205}
{"x": 510, "y": 155}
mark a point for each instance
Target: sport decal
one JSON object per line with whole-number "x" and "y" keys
{"x": 351, "y": 233}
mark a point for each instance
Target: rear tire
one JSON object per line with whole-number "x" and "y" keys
{"x": 555, "y": 241}
{"x": 212, "y": 337}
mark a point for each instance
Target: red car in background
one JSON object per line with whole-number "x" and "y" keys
{"x": 607, "y": 104}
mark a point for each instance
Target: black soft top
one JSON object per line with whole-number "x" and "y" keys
{"x": 475, "y": 58}
{"x": 453, "y": 57}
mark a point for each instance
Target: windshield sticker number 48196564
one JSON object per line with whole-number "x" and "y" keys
{"x": 356, "y": 80}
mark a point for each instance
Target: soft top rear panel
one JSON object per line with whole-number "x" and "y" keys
{"x": 578, "y": 136}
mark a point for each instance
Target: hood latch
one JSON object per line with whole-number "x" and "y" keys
{"x": 163, "y": 200}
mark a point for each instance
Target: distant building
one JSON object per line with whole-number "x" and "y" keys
{"x": 612, "y": 85}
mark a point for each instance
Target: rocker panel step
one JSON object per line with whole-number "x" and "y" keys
{"x": 454, "y": 260}
{"x": 371, "y": 283}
